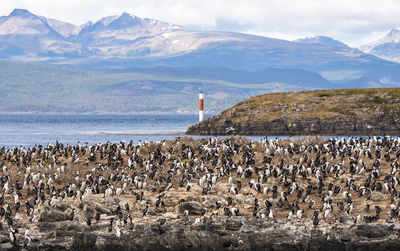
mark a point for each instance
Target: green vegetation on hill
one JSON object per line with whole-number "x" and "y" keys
{"x": 50, "y": 88}
{"x": 321, "y": 103}
{"x": 344, "y": 111}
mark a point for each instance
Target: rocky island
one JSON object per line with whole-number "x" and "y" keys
{"x": 206, "y": 194}
{"x": 325, "y": 112}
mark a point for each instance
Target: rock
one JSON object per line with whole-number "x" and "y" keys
{"x": 88, "y": 209}
{"x": 233, "y": 224}
{"x": 282, "y": 204}
{"x": 210, "y": 201}
{"x": 140, "y": 227}
{"x": 217, "y": 228}
{"x": 171, "y": 215}
{"x": 101, "y": 208}
{"x": 112, "y": 200}
{"x": 52, "y": 214}
{"x": 112, "y": 203}
{"x": 6, "y": 246}
{"x": 248, "y": 201}
{"x": 346, "y": 219}
{"x": 63, "y": 206}
{"x": 373, "y": 231}
{"x": 377, "y": 197}
{"x": 74, "y": 227}
{"x": 193, "y": 207}
{"x": 84, "y": 240}
{"x": 348, "y": 235}
{"x": 214, "y": 234}
{"x": 172, "y": 198}
{"x": 100, "y": 242}
{"x": 151, "y": 200}
{"x": 156, "y": 228}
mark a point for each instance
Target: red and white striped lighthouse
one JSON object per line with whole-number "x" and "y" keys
{"x": 201, "y": 108}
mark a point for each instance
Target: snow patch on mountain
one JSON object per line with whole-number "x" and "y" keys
{"x": 18, "y": 25}
{"x": 323, "y": 40}
{"x": 65, "y": 29}
{"x": 392, "y": 37}
{"x": 22, "y": 22}
{"x": 388, "y": 47}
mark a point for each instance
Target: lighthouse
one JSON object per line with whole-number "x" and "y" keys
{"x": 201, "y": 108}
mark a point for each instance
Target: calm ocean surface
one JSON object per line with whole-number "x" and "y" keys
{"x": 30, "y": 129}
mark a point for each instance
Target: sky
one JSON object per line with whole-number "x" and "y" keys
{"x": 355, "y": 22}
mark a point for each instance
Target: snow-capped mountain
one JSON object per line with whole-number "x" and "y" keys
{"x": 22, "y": 22}
{"x": 387, "y": 47}
{"x": 24, "y": 35}
{"x": 148, "y": 60}
{"x": 323, "y": 40}
{"x": 126, "y": 41}
{"x": 123, "y": 36}
{"x": 64, "y": 29}
{"x": 127, "y": 36}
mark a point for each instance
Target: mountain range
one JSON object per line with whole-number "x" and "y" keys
{"x": 121, "y": 57}
{"x": 387, "y": 47}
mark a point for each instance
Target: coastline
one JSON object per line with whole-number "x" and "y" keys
{"x": 224, "y": 233}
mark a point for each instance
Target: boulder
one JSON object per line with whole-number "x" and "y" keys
{"x": 348, "y": 235}
{"x": 151, "y": 200}
{"x": 373, "y": 231}
{"x": 63, "y": 206}
{"x": 52, "y": 214}
{"x": 193, "y": 207}
{"x": 210, "y": 201}
{"x": 282, "y": 204}
{"x": 346, "y": 219}
{"x": 6, "y": 246}
{"x": 112, "y": 200}
{"x": 101, "y": 242}
{"x": 101, "y": 208}
{"x": 377, "y": 197}
{"x": 233, "y": 224}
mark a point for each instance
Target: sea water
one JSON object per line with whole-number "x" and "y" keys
{"x": 29, "y": 129}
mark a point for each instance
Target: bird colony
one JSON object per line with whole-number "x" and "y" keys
{"x": 114, "y": 187}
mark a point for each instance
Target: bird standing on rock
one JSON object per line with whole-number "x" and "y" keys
{"x": 97, "y": 216}
{"x": 89, "y": 221}
{"x": 110, "y": 226}
{"x": 146, "y": 210}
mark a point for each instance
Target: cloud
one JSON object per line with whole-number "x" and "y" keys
{"x": 352, "y": 21}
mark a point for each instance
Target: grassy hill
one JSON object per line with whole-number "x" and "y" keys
{"x": 34, "y": 87}
{"x": 328, "y": 112}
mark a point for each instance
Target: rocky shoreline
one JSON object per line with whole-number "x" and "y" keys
{"x": 308, "y": 126}
{"x": 222, "y": 233}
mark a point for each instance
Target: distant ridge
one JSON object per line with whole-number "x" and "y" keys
{"x": 323, "y": 40}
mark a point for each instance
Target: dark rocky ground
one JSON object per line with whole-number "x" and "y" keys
{"x": 224, "y": 233}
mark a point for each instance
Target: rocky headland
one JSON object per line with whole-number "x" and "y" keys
{"x": 325, "y": 112}
{"x": 207, "y": 194}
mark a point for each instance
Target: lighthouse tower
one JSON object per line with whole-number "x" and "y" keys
{"x": 201, "y": 108}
